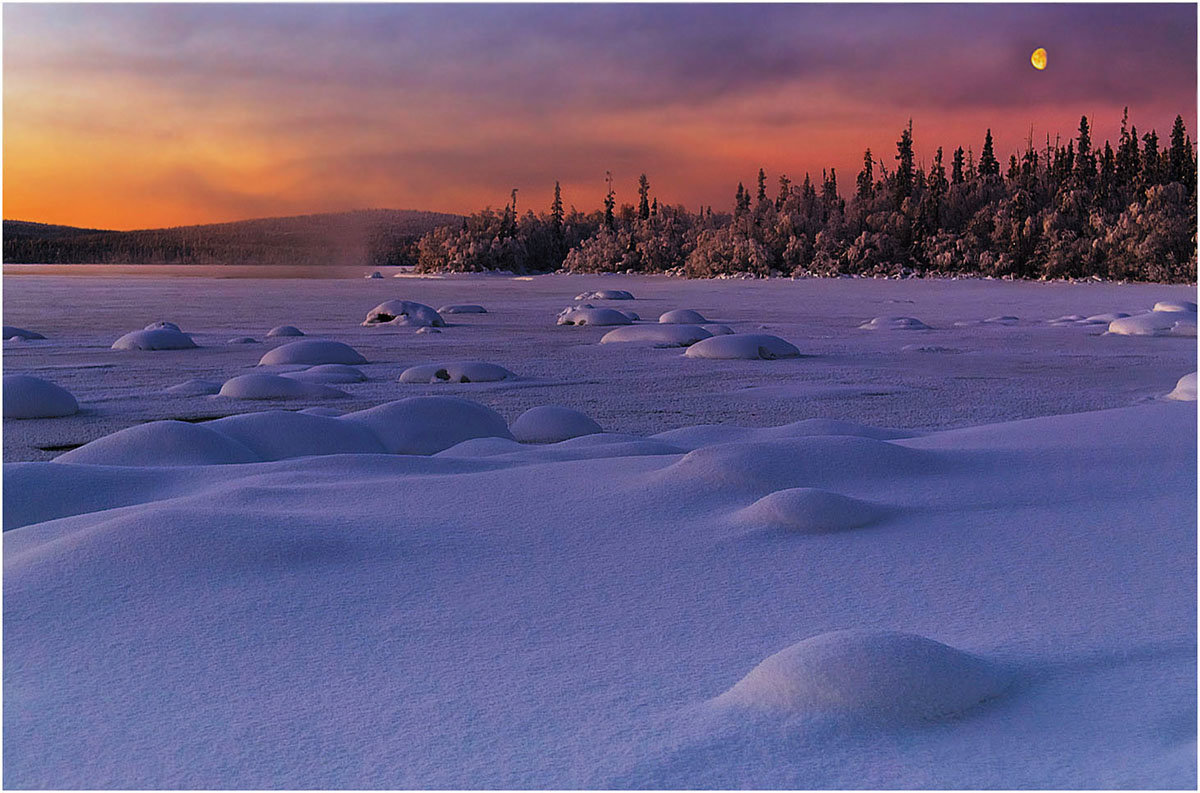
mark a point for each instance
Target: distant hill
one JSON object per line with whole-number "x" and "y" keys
{"x": 369, "y": 237}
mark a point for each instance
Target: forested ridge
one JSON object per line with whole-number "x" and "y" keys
{"x": 1123, "y": 211}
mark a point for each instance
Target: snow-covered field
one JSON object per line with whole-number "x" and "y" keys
{"x": 954, "y": 556}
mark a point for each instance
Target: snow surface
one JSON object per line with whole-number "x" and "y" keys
{"x": 20, "y": 333}
{"x": 328, "y": 373}
{"x": 28, "y": 397}
{"x": 425, "y": 425}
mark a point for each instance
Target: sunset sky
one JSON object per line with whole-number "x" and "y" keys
{"x": 137, "y": 116}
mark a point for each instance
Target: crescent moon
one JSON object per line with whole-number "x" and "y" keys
{"x": 1038, "y": 58}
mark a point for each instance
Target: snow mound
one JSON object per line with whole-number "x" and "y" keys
{"x": 1069, "y": 319}
{"x": 328, "y": 373}
{"x": 894, "y": 323}
{"x": 1155, "y": 323}
{"x": 875, "y": 677}
{"x": 312, "y": 352}
{"x": 20, "y": 333}
{"x": 259, "y": 385}
{"x": 375, "y": 274}
{"x": 161, "y": 443}
{"x": 1003, "y": 320}
{"x": 750, "y": 346}
{"x": 242, "y": 340}
{"x": 683, "y": 316}
{"x": 194, "y": 387}
{"x": 427, "y": 425}
{"x": 284, "y": 330}
{"x": 28, "y": 397}
{"x": 466, "y": 308}
{"x": 657, "y": 335}
{"x": 481, "y": 447}
{"x": 551, "y": 424}
{"x": 605, "y": 294}
{"x": 162, "y": 324}
{"x": 404, "y": 312}
{"x": 321, "y": 411}
{"x": 1103, "y": 319}
{"x": 633, "y": 315}
{"x": 427, "y": 330}
{"x": 926, "y": 348}
{"x": 592, "y": 316}
{"x": 282, "y": 434}
{"x": 162, "y": 339}
{"x": 1175, "y": 305}
{"x": 1185, "y": 389}
{"x": 810, "y": 511}
{"x": 459, "y": 372}
{"x": 718, "y": 330}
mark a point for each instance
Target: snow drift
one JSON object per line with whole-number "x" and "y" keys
{"x": 749, "y": 346}
{"x": 683, "y": 316}
{"x": 464, "y": 308}
{"x": 312, "y": 352}
{"x": 259, "y": 385}
{"x": 161, "y": 339}
{"x": 605, "y": 294}
{"x": 657, "y": 335}
{"x": 426, "y": 425}
{"x": 552, "y": 424}
{"x": 28, "y": 397}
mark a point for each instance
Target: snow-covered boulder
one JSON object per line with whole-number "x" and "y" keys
{"x": 28, "y": 397}
{"x": 605, "y": 294}
{"x": 162, "y": 339}
{"x": 1185, "y": 389}
{"x": 427, "y": 425}
{"x": 426, "y": 331}
{"x": 404, "y": 312}
{"x": 633, "y": 315}
{"x": 194, "y": 387}
{"x": 657, "y": 335}
{"x": 810, "y": 511}
{"x": 242, "y": 340}
{"x": 458, "y": 372}
{"x": 1155, "y": 323}
{"x": 162, "y": 324}
{"x": 281, "y": 434}
{"x": 551, "y": 424}
{"x": 11, "y": 332}
{"x": 161, "y": 443}
{"x": 312, "y": 352}
{"x": 749, "y": 346}
{"x": 465, "y": 308}
{"x": 1103, "y": 319}
{"x": 592, "y": 316}
{"x": 894, "y": 323}
{"x": 1185, "y": 306}
{"x": 328, "y": 373}
{"x": 284, "y": 330}
{"x": 259, "y": 385}
{"x": 718, "y": 330}
{"x": 683, "y": 316}
{"x": 875, "y": 677}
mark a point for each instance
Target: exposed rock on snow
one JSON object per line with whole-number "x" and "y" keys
{"x": 1185, "y": 389}
{"x": 1155, "y": 323}
{"x": 657, "y": 335}
{"x": 592, "y": 316}
{"x": 459, "y": 372}
{"x": 427, "y": 425}
{"x": 284, "y": 330}
{"x": 375, "y": 274}
{"x": 718, "y": 330}
{"x": 20, "y": 333}
{"x": 894, "y": 323}
{"x": 682, "y": 316}
{"x": 311, "y": 352}
{"x": 328, "y": 373}
{"x": 750, "y": 346}
{"x": 406, "y": 313}
{"x": 164, "y": 339}
{"x": 194, "y": 387}
{"x": 605, "y": 294}
{"x": 161, "y": 443}
{"x": 163, "y": 325}
{"x": 466, "y": 308}
{"x": 28, "y": 397}
{"x": 1175, "y": 305}
{"x": 810, "y": 511}
{"x": 868, "y": 676}
{"x": 242, "y": 340}
{"x": 260, "y": 385}
{"x": 551, "y": 424}
{"x": 282, "y": 434}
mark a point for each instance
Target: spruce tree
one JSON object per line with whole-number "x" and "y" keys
{"x": 556, "y": 212}
{"x": 956, "y": 166}
{"x": 610, "y": 202}
{"x": 785, "y": 190}
{"x": 866, "y": 177}
{"x": 643, "y": 197}
{"x": 989, "y": 166}
{"x": 762, "y": 186}
{"x": 1179, "y": 155}
{"x": 903, "y": 179}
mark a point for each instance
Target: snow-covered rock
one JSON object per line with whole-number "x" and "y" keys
{"x": 162, "y": 324}
{"x": 242, "y": 340}
{"x": 1185, "y": 306}
{"x": 605, "y": 294}
{"x": 657, "y": 335}
{"x": 592, "y": 316}
{"x": 161, "y": 443}
{"x": 162, "y": 339}
{"x": 682, "y": 316}
{"x": 284, "y": 330}
{"x": 1155, "y": 323}
{"x": 374, "y": 275}
{"x": 328, "y": 373}
{"x": 894, "y": 323}
{"x": 260, "y": 385}
{"x": 749, "y": 346}
{"x": 633, "y": 315}
{"x": 552, "y": 424}
{"x": 404, "y": 312}
{"x": 868, "y": 676}
{"x": 1103, "y": 319}
{"x": 312, "y": 352}
{"x": 718, "y": 330}
{"x": 426, "y": 330}
{"x": 466, "y": 308}
{"x": 457, "y": 372}
{"x": 282, "y": 434}
{"x": 194, "y": 387}
{"x": 1185, "y": 389}
{"x": 810, "y": 510}
{"x": 28, "y": 397}
{"x": 427, "y": 425}
{"x": 11, "y": 332}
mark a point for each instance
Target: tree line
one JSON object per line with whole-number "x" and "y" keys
{"x": 1062, "y": 210}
